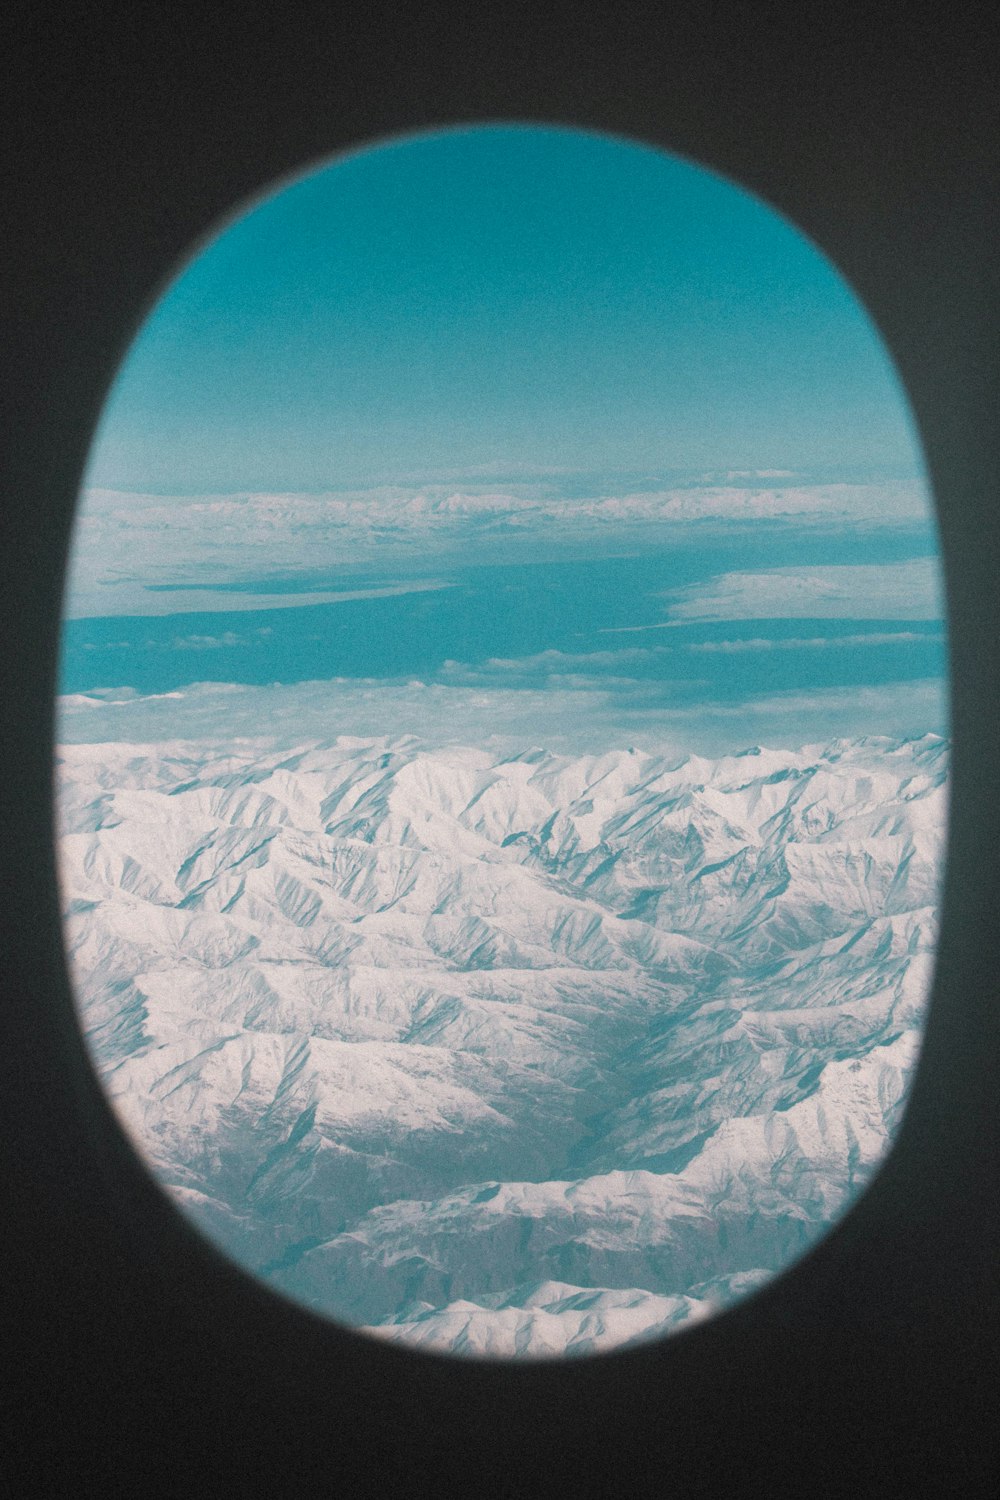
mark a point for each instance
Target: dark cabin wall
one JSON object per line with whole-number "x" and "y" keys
{"x": 139, "y": 1359}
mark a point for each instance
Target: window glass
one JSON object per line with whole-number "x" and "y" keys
{"x": 503, "y": 755}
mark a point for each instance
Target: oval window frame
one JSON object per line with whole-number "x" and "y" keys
{"x": 215, "y": 230}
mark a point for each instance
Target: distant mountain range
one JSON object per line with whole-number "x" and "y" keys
{"x": 529, "y": 1056}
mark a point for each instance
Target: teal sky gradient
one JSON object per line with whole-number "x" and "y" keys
{"x": 500, "y": 301}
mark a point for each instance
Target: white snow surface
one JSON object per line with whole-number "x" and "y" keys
{"x": 521, "y": 1057}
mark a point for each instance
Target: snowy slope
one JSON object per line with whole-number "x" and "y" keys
{"x": 520, "y": 1057}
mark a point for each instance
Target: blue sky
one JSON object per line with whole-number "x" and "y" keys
{"x": 506, "y": 430}
{"x": 496, "y": 301}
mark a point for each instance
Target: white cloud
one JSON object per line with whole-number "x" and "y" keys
{"x": 552, "y": 663}
{"x": 908, "y": 590}
{"x": 208, "y": 642}
{"x": 761, "y": 474}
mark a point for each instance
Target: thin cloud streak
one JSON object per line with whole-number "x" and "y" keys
{"x": 819, "y": 642}
{"x": 127, "y": 597}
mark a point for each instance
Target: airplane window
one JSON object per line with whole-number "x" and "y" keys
{"x": 503, "y": 742}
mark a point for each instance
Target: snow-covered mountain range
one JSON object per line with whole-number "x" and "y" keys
{"x": 521, "y": 1056}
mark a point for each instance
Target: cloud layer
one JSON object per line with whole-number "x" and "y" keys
{"x": 910, "y": 590}
{"x": 129, "y": 545}
{"x": 570, "y": 713}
